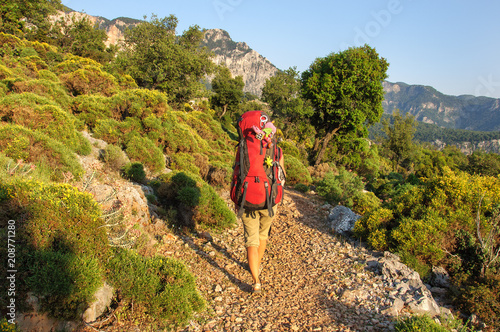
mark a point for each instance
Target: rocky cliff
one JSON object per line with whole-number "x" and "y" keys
{"x": 240, "y": 59}
{"x": 431, "y": 106}
{"x": 114, "y": 28}
{"x": 237, "y": 56}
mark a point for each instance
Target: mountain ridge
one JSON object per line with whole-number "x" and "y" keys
{"x": 427, "y": 104}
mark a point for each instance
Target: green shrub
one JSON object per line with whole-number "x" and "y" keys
{"x": 48, "y": 75}
{"x": 296, "y": 172}
{"x": 109, "y": 131}
{"x": 134, "y": 171}
{"x": 59, "y": 297}
{"x": 365, "y": 201}
{"x": 189, "y": 191}
{"x": 301, "y": 187}
{"x": 42, "y": 87}
{"x": 61, "y": 244}
{"x": 482, "y": 298}
{"x": 212, "y": 211}
{"x": 91, "y": 108}
{"x": 39, "y": 113}
{"x": 343, "y": 188}
{"x": 138, "y": 103}
{"x": 184, "y": 162}
{"x": 89, "y": 80}
{"x": 32, "y": 146}
{"x": 114, "y": 157}
{"x": 142, "y": 149}
{"x": 160, "y": 287}
{"x": 373, "y": 228}
{"x": 418, "y": 323}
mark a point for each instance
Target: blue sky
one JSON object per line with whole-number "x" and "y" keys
{"x": 451, "y": 45}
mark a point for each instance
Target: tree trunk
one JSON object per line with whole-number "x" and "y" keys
{"x": 224, "y": 108}
{"x": 326, "y": 140}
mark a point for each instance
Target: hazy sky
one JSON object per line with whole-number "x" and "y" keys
{"x": 452, "y": 45}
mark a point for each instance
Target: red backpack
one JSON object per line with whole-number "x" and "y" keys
{"x": 257, "y": 176}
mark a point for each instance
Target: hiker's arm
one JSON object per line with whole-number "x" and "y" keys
{"x": 282, "y": 164}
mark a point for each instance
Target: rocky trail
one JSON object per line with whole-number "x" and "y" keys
{"x": 306, "y": 272}
{"x": 312, "y": 279}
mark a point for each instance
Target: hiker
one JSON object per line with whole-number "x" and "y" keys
{"x": 257, "y": 185}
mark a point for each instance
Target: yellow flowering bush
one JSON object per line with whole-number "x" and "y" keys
{"x": 61, "y": 243}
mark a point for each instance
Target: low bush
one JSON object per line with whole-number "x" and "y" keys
{"x": 34, "y": 147}
{"x": 199, "y": 203}
{"x": 160, "y": 287}
{"x": 184, "y": 162}
{"x": 49, "y": 89}
{"x": 91, "y": 108}
{"x": 114, "y": 157}
{"x": 143, "y": 150}
{"x": 38, "y": 113}
{"x": 212, "y": 211}
{"x": 296, "y": 172}
{"x": 134, "y": 171}
{"x": 318, "y": 172}
{"x": 343, "y": 188}
{"x": 301, "y": 187}
{"x": 60, "y": 242}
{"x": 138, "y": 103}
{"x": 365, "y": 201}
{"x": 483, "y": 299}
{"x": 89, "y": 80}
{"x": 419, "y": 323}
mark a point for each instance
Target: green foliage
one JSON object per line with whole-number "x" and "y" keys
{"x": 134, "y": 171}
{"x": 60, "y": 297}
{"x": 17, "y": 17}
{"x": 399, "y": 142}
{"x": 46, "y": 88}
{"x": 301, "y": 187}
{"x": 282, "y": 93}
{"x": 143, "y": 150}
{"x": 483, "y": 299}
{"x": 32, "y": 146}
{"x": 38, "y": 113}
{"x": 228, "y": 92}
{"x": 451, "y": 212}
{"x": 184, "y": 162}
{"x": 340, "y": 189}
{"x": 114, "y": 157}
{"x": 199, "y": 203}
{"x": 81, "y": 37}
{"x": 5, "y": 326}
{"x": 60, "y": 239}
{"x": 487, "y": 164}
{"x": 212, "y": 210}
{"x": 346, "y": 92}
{"x": 418, "y": 323}
{"x": 157, "y": 59}
{"x": 296, "y": 172}
{"x": 160, "y": 287}
{"x": 365, "y": 201}
{"x": 88, "y": 80}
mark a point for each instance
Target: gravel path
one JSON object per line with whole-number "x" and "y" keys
{"x": 312, "y": 280}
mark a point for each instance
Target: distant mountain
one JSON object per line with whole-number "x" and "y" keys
{"x": 431, "y": 106}
{"x": 240, "y": 59}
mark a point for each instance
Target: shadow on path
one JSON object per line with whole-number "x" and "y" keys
{"x": 199, "y": 250}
